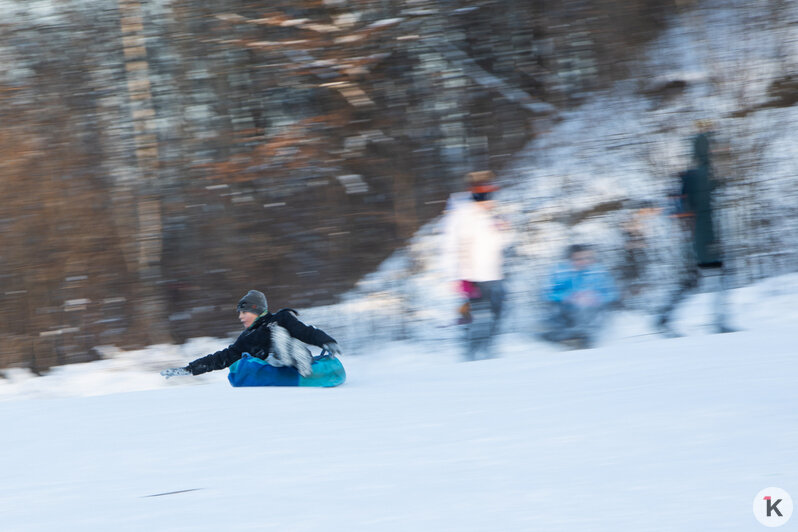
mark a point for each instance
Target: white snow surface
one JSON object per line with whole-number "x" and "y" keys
{"x": 641, "y": 433}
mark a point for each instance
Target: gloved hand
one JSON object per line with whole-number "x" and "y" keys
{"x": 333, "y": 348}
{"x": 174, "y": 372}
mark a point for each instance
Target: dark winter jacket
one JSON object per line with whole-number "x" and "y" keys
{"x": 702, "y": 149}
{"x": 256, "y": 340}
{"x": 698, "y": 186}
{"x": 697, "y": 189}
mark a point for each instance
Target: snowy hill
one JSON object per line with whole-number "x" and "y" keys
{"x": 576, "y": 182}
{"x": 640, "y": 434}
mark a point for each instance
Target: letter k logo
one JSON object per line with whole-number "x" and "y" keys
{"x": 772, "y": 506}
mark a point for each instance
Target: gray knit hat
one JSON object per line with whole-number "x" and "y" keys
{"x": 254, "y": 302}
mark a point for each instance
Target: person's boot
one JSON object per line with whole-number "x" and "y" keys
{"x": 722, "y": 328}
{"x": 664, "y": 328}
{"x": 577, "y": 342}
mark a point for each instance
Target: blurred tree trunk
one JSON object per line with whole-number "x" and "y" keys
{"x": 143, "y": 252}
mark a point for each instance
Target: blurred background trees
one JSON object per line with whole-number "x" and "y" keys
{"x": 159, "y": 158}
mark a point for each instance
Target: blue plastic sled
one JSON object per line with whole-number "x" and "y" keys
{"x": 253, "y": 371}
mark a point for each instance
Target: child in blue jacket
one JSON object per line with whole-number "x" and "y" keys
{"x": 579, "y": 293}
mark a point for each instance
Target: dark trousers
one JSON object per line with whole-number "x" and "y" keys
{"x": 569, "y": 322}
{"x": 486, "y": 312}
{"x": 713, "y": 275}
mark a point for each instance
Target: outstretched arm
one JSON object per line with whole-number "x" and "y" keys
{"x": 218, "y": 360}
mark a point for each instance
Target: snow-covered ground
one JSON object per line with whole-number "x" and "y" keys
{"x": 641, "y": 433}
